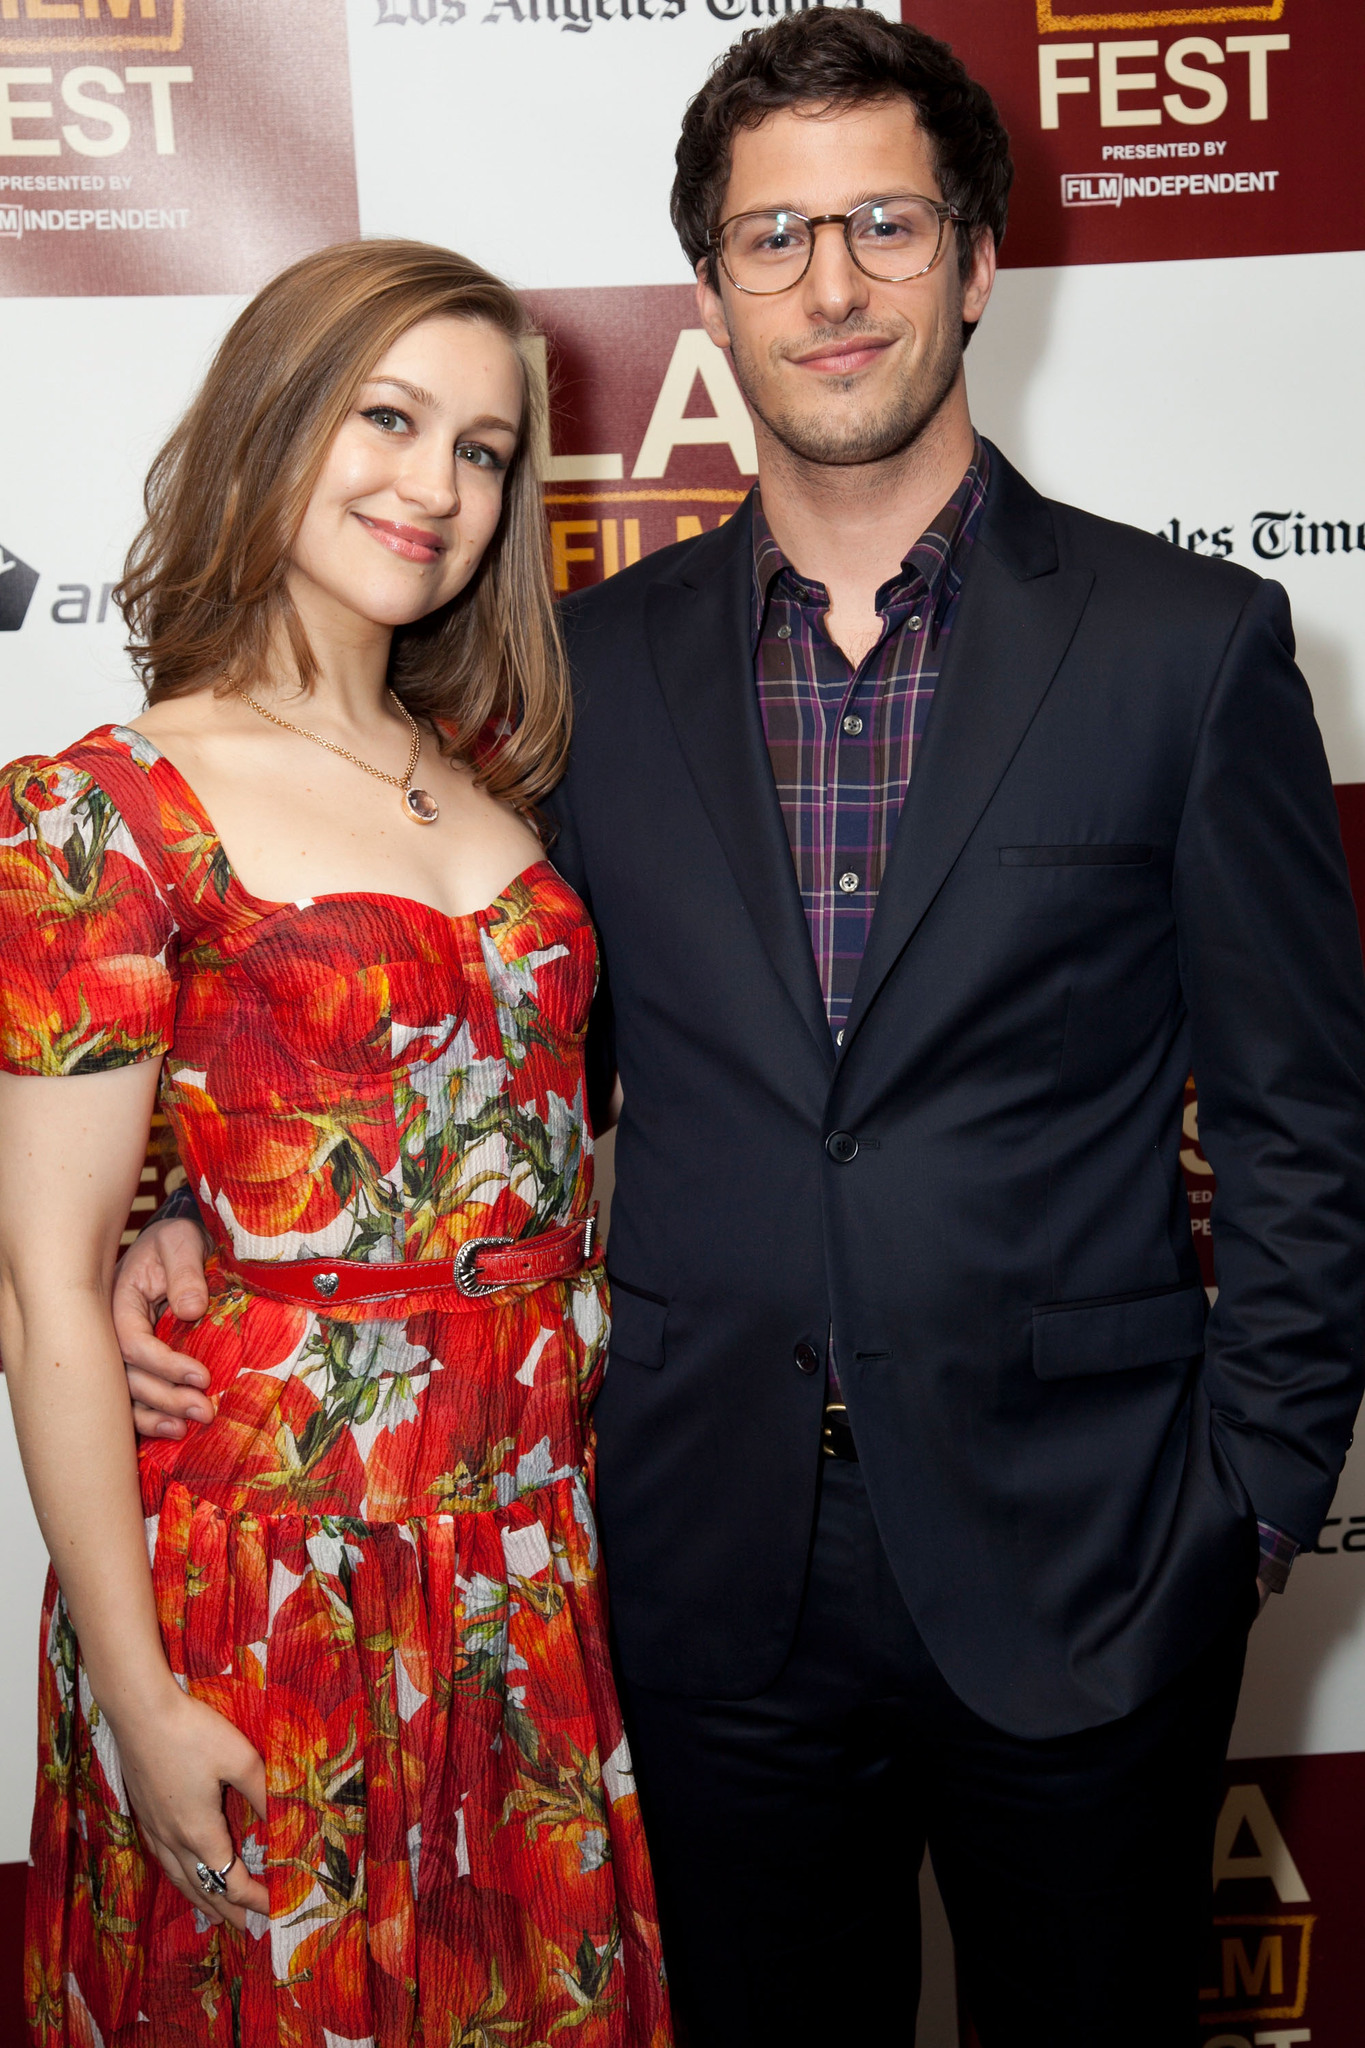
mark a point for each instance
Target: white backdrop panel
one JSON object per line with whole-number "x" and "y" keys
{"x": 543, "y": 152}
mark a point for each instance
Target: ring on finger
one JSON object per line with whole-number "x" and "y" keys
{"x": 214, "y": 1882}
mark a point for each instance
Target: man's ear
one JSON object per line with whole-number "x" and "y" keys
{"x": 980, "y": 279}
{"x": 711, "y": 307}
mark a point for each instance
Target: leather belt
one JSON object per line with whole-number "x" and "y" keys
{"x": 836, "y": 1438}
{"x": 481, "y": 1266}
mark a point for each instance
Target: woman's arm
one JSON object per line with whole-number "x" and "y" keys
{"x": 70, "y": 1153}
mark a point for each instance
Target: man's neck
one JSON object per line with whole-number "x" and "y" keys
{"x": 850, "y": 526}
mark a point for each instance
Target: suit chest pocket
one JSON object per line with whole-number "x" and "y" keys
{"x": 1091, "y": 880}
{"x": 1118, "y": 1336}
{"x": 1114, "y": 854}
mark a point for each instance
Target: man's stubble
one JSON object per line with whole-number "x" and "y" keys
{"x": 832, "y": 436}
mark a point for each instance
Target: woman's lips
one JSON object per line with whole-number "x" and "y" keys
{"x": 413, "y": 543}
{"x": 844, "y": 360}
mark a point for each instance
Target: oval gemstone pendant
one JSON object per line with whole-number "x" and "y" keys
{"x": 421, "y": 806}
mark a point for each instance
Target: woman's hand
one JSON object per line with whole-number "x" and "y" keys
{"x": 176, "y": 1759}
{"x": 71, "y": 1150}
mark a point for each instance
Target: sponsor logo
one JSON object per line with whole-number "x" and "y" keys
{"x": 1139, "y": 14}
{"x": 1228, "y": 120}
{"x": 1280, "y": 1967}
{"x": 577, "y": 16}
{"x": 17, "y": 221}
{"x": 95, "y": 25}
{"x": 1121, "y": 80}
{"x": 1091, "y": 188}
{"x": 1263, "y": 1959}
{"x": 1257, "y": 1966}
{"x": 155, "y": 146}
{"x": 17, "y": 585}
{"x": 1273, "y": 536}
{"x": 1341, "y": 1536}
{"x": 76, "y": 604}
{"x": 1103, "y": 188}
{"x": 654, "y": 443}
{"x": 1277, "y": 534}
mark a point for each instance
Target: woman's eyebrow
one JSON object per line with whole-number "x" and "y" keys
{"x": 414, "y": 391}
{"x": 422, "y": 396}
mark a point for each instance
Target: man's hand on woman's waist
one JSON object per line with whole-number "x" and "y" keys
{"x": 164, "y": 1268}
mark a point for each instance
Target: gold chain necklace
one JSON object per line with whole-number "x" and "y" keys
{"x": 417, "y": 803}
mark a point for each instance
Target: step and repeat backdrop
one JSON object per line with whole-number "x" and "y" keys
{"x": 1175, "y": 341}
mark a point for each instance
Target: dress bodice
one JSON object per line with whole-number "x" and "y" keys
{"x": 354, "y": 1076}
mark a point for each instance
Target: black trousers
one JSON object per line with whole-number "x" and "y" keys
{"x": 788, "y": 1832}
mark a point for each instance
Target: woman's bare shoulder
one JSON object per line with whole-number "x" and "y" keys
{"x": 188, "y": 717}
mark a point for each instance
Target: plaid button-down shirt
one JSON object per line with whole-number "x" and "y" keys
{"x": 842, "y": 739}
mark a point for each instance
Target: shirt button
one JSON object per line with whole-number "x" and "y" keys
{"x": 914, "y": 622}
{"x": 784, "y": 632}
{"x": 853, "y": 725}
{"x": 848, "y": 882}
{"x": 841, "y": 1146}
{"x": 807, "y": 1358}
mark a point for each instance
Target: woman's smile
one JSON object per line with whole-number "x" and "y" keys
{"x": 413, "y": 543}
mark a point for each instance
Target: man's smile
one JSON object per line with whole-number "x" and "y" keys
{"x": 843, "y": 358}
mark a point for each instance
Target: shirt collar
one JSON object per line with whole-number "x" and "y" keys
{"x": 933, "y": 565}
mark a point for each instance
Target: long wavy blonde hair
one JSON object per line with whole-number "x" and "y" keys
{"x": 204, "y": 586}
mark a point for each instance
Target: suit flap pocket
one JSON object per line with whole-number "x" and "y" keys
{"x": 1113, "y": 1336}
{"x": 637, "y": 1325}
{"x": 1114, "y": 855}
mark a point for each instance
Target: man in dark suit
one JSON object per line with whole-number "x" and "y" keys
{"x": 933, "y": 831}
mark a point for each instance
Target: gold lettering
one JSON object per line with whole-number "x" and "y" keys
{"x": 561, "y": 554}
{"x": 52, "y": 10}
{"x": 121, "y": 9}
{"x": 611, "y": 547}
{"x": 689, "y": 526}
{"x": 632, "y": 527}
{"x": 1237, "y": 1965}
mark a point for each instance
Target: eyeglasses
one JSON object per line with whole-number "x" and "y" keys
{"x": 892, "y": 240}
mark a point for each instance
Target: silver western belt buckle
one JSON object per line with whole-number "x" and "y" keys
{"x": 463, "y": 1272}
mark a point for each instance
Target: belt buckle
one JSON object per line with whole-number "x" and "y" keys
{"x": 463, "y": 1266}
{"x": 836, "y": 1437}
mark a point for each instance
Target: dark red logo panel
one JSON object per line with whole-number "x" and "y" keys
{"x": 1143, "y": 132}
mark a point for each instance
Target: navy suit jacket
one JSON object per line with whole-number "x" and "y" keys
{"x": 1119, "y": 859}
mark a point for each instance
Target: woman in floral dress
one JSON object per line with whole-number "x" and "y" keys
{"x": 344, "y": 1766}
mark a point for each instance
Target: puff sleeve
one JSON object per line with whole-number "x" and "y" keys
{"x": 88, "y": 954}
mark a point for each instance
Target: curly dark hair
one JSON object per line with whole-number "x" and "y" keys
{"x": 843, "y": 57}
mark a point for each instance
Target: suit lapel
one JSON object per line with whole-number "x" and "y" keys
{"x": 699, "y": 627}
{"x": 1018, "y": 613}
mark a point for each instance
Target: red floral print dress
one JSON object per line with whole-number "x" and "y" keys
{"x": 380, "y": 1559}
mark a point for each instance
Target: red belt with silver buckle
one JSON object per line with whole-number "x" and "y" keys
{"x": 481, "y": 1266}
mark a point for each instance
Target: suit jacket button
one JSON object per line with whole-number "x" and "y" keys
{"x": 807, "y": 1358}
{"x": 841, "y": 1147}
